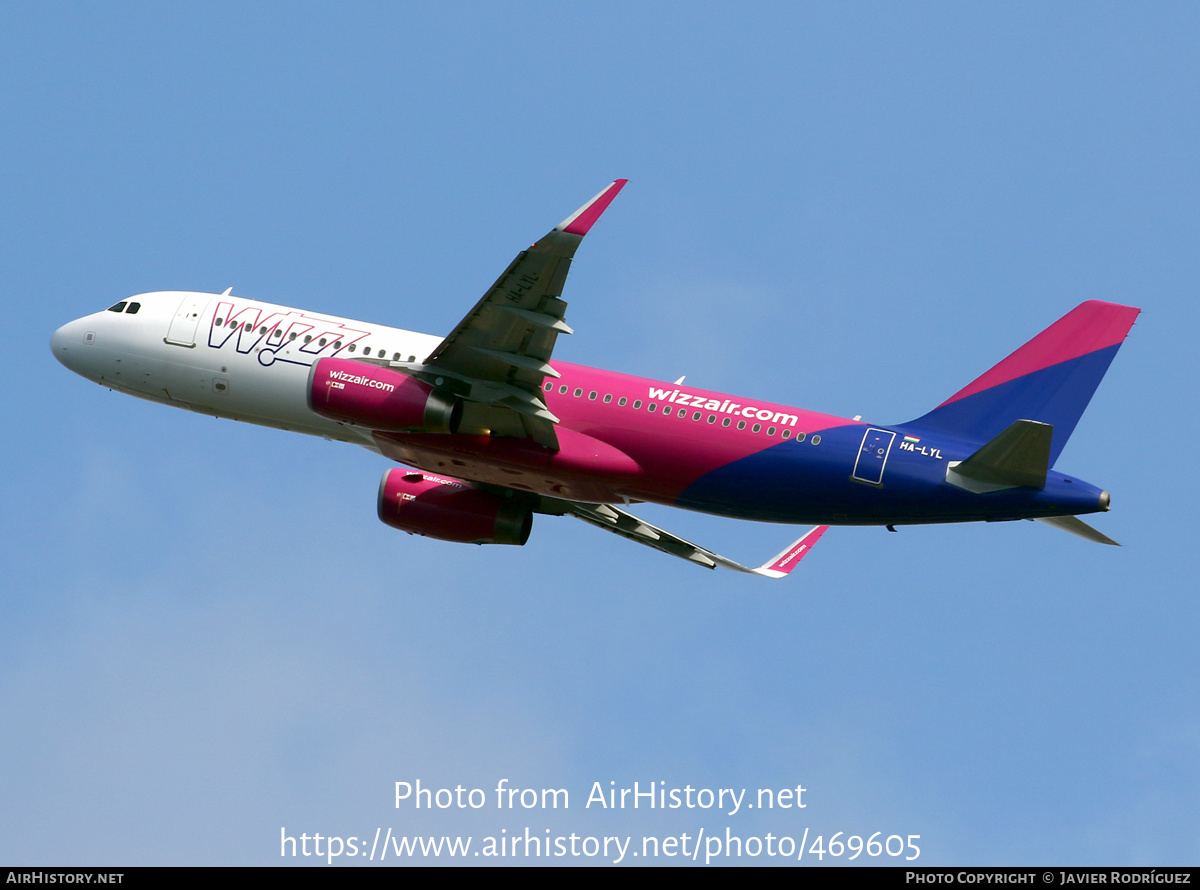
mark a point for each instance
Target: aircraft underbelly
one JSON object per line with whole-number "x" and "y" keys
{"x": 582, "y": 468}
{"x": 792, "y": 483}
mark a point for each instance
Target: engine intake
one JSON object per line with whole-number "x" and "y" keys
{"x": 378, "y": 398}
{"x": 437, "y": 507}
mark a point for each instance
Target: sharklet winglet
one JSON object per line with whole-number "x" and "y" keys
{"x": 581, "y": 221}
{"x": 790, "y": 556}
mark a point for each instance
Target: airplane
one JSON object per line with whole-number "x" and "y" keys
{"x": 491, "y": 430}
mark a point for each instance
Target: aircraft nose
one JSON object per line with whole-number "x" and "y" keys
{"x": 68, "y": 342}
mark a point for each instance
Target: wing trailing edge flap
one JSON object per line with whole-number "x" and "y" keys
{"x": 500, "y": 352}
{"x": 621, "y": 522}
{"x": 1017, "y": 458}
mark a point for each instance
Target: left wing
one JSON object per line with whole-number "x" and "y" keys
{"x": 625, "y": 524}
{"x": 499, "y": 355}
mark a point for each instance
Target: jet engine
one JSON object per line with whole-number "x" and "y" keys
{"x": 378, "y": 398}
{"x": 437, "y": 507}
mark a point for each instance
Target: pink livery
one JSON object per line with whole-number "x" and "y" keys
{"x": 494, "y": 429}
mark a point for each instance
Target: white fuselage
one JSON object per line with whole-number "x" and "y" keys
{"x": 226, "y": 356}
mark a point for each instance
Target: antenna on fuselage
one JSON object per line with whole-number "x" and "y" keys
{"x": 680, "y": 380}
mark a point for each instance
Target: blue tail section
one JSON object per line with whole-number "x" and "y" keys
{"x": 1050, "y": 380}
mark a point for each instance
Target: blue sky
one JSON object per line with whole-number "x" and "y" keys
{"x": 206, "y": 634}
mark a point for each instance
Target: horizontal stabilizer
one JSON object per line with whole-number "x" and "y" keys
{"x": 1017, "y": 458}
{"x": 1077, "y": 526}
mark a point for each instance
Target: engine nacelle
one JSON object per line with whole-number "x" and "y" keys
{"x": 424, "y": 504}
{"x": 379, "y": 398}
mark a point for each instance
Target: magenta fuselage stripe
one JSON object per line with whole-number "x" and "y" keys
{"x": 610, "y": 451}
{"x": 673, "y": 451}
{"x": 1089, "y": 327}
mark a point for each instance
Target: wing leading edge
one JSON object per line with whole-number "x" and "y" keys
{"x": 499, "y": 354}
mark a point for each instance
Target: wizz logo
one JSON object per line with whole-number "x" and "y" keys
{"x": 278, "y": 336}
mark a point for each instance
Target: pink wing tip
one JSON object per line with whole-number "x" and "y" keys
{"x": 582, "y": 220}
{"x": 787, "y": 560}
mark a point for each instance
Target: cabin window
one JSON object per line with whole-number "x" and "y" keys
{"x": 787, "y": 434}
{"x": 308, "y": 338}
{"x": 741, "y": 424}
{"x": 548, "y": 387}
{"x": 770, "y": 431}
{"x": 352, "y": 348}
{"x": 337, "y": 345}
{"x": 578, "y": 392}
{"x": 621, "y": 401}
{"x": 562, "y": 390}
{"x": 119, "y": 307}
{"x": 607, "y": 399}
{"x": 220, "y": 321}
{"x": 248, "y": 326}
{"x": 263, "y": 329}
{"x": 650, "y": 407}
{"x": 277, "y": 333}
{"x": 637, "y": 403}
{"x": 816, "y": 440}
{"x": 726, "y": 422}
{"x": 592, "y": 396}
{"x": 696, "y": 415}
{"x": 756, "y": 428}
{"x": 800, "y": 437}
{"x": 292, "y": 335}
{"x": 712, "y": 418}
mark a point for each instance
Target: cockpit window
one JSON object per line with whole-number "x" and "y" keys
{"x": 133, "y": 308}
{"x": 120, "y": 307}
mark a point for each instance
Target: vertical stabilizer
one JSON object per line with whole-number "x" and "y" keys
{"x": 1049, "y": 380}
